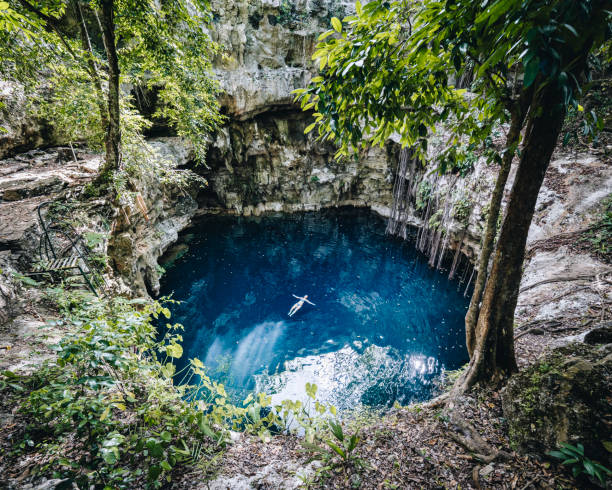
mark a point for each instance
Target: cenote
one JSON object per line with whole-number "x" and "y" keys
{"x": 383, "y": 328}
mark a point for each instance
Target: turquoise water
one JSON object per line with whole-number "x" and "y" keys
{"x": 383, "y": 327}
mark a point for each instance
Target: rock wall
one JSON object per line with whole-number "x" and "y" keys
{"x": 21, "y": 131}
{"x": 565, "y": 397}
{"x": 266, "y": 163}
{"x": 261, "y": 160}
{"x": 140, "y": 238}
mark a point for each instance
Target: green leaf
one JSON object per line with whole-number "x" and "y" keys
{"x": 154, "y": 472}
{"x": 590, "y": 469}
{"x": 174, "y": 350}
{"x": 336, "y": 24}
{"x": 531, "y": 71}
{"x": 336, "y": 449}
{"x": 353, "y": 441}
{"x": 325, "y": 35}
{"x": 556, "y": 454}
{"x": 155, "y": 448}
{"x": 166, "y": 466}
{"x": 309, "y": 128}
{"x": 337, "y": 430}
{"x": 105, "y": 413}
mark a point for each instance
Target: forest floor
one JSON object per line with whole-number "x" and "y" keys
{"x": 410, "y": 447}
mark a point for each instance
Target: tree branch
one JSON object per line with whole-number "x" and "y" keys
{"x": 49, "y": 21}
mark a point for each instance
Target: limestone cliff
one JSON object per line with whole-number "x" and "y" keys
{"x": 261, "y": 160}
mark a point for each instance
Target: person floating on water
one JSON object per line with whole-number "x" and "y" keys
{"x": 299, "y": 304}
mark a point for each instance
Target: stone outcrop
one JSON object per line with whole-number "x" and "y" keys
{"x": 56, "y": 174}
{"x": 266, "y": 48}
{"x": 21, "y": 131}
{"x": 565, "y": 397}
{"x": 27, "y": 180}
{"x": 261, "y": 160}
{"x": 140, "y": 239}
{"x": 267, "y": 164}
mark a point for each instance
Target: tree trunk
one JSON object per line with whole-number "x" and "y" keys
{"x": 113, "y": 132}
{"x": 518, "y": 112}
{"x": 493, "y": 354}
{"x": 91, "y": 65}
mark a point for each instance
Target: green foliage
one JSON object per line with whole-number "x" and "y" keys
{"x": 423, "y": 195}
{"x": 93, "y": 239}
{"x": 436, "y": 219}
{"x": 573, "y": 456}
{"x": 462, "y": 209}
{"x": 389, "y": 70}
{"x": 161, "y": 46}
{"x": 337, "y": 451}
{"x": 289, "y": 15}
{"x": 599, "y": 235}
{"x": 376, "y": 79}
{"x": 114, "y": 401}
{"x": 25, "y": 280}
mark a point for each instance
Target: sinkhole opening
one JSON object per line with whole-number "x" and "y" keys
{"x": 383, "y": 328}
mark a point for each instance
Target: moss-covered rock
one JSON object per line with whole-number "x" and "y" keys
{"x": 565, "y": 397}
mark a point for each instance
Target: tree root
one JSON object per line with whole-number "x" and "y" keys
{"x": 468, "y": 437}
{"x": 581, "y": 277}
{"x": 559, "y": 296}
{"x": 464, "y": 433}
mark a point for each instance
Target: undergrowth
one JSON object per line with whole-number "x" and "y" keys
{"x": 112, "y": 411}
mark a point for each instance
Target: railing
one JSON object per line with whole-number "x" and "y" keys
{"x": 49, "y": 252}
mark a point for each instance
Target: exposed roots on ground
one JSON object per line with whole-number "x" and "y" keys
{"x": 580, "y": 277}
{"x": 468, "y": 437}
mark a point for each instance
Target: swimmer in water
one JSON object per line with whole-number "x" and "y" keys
{"x": 299, "y": 304}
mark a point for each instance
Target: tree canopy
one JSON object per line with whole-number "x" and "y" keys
{"x": 58, "y": 49}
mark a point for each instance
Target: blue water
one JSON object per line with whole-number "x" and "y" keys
{"x": 384, "y": 326}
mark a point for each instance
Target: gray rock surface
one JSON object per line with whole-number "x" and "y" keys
{"x": 21, "y": 130}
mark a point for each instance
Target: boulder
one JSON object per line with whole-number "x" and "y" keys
{"x": 565, "y": 397}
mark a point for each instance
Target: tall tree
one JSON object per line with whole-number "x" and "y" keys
{"x": 113, "y": 128}
{"x": 387, "y": 69}
{"x": 164, "y": 46}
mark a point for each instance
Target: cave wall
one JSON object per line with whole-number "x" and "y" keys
{"x": 261, "y": 160}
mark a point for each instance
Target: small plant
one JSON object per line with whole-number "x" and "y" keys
{"x": 289, "y": 15}
{"x": 600, "y": 234}
{"x": 423, "y": 194}
{"x": 348, "y": 444}
{"x": 574, "y": 456}
{"x": 339, "y": 453}
{"x": 462, "y": 210}
{"x": 25, "y": 280}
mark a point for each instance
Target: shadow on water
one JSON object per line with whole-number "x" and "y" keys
{"x": 384, "y": 325}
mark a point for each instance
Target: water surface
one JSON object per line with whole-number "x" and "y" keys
{"x": 384, "y": 325}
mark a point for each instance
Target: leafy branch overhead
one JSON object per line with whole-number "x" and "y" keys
{"x": 392, "y": 69}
